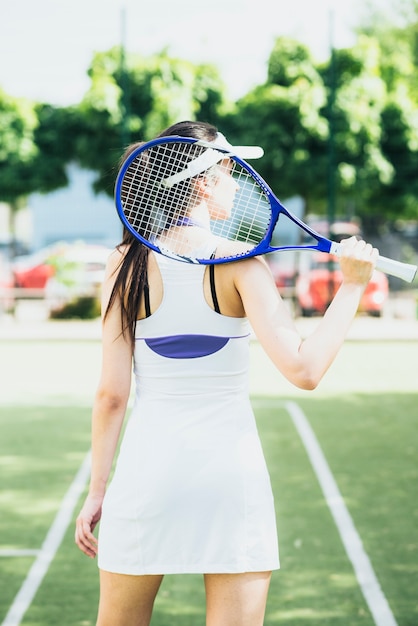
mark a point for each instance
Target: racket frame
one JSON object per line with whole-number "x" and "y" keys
{"x": 277, "y": 208}
{"x": 404, "y": 271}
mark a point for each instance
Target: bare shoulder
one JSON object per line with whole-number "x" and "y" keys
{"x": 256, "y": 286}
{"x": 114, "y": 261}
{"x": 242, "y": 271}
{"x": 117, "y": 255}
{"x": 248, "y": 284}
{"x": 251, "y": 270}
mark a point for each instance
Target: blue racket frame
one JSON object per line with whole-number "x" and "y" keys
{"x": 404, "y": 271}
{"x": 277, "y": 208}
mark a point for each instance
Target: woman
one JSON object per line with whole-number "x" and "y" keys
{"x": 191, "y": 492}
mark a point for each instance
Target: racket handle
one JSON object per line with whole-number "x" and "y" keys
{"x": 388, "y": 266}
{"x": 396, "y": 268}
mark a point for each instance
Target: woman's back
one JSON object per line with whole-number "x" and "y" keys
{"x": 185, "y": 347}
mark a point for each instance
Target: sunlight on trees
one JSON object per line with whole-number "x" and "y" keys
{"x": 374, "y": 114}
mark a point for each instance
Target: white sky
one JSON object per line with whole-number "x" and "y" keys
{"x": 46, "y": 45}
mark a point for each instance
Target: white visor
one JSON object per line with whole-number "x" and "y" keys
{"x": 244, "y": 152}
{"x": 211, "y": 156}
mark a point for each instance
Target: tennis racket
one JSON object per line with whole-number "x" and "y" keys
{"x": 196, "y": 202}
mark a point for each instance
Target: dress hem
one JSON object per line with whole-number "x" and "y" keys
{"x": 198, "y": 569}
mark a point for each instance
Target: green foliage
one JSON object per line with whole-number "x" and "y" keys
{"x": 134, "y": 99}
{"x": 82, "y": 307}
{"x": 292, "y": 134}
{"x": 336, "y": 120}
{"x": 36, "y": 143}
{"x": 350, "y": 123}
{"x": 18, "y": 122}
{"x": 400, "y": 146}
{"x": 395, "y": 26}
{"x": 396, "y": 32}
{"x": 289, "y": 62}
{"x": 360, "y": 97}
{"x": 286, "y": 117}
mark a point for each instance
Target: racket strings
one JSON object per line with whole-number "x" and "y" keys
{"x": 156, "y": 210}
{"x": 148, "y": 205}
{"x": 251, "y": 216}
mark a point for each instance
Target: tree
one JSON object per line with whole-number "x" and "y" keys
{"x": 397, "y": 34}
{"x": 18, "y": 122}
{"x": 348, "y": 104}
{"x": 134, "y": 99}
{"x": 400, "y": 145}
{"x": 395, "y": 26}
{"x": 35, "y": 145}
{"x": 360, "y": 97}
{"x": 362, "y": 102}
{"x": 55, "y": 137}
{"x": 285, "y": 116}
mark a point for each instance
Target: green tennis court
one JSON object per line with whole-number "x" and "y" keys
{"x": 364, "y": 417}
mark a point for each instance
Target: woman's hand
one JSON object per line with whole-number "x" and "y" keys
{"x": 87, "y": 520}
{"x": 357, "y": 261}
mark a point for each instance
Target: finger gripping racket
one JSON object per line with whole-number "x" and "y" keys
{"x": 197, "y": 202}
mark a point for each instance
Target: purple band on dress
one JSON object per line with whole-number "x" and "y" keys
{"x": 186, "y": 346}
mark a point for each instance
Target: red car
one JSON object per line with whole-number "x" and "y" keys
{"x": 77, "y": 264}
{"x": 317, "y": 285}
{"x": 32, "y": 276}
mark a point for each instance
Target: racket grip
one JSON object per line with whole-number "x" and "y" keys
{"x": 405, "y": 271}
{"x": 396, "y": 268}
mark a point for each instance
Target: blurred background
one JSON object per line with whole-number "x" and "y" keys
{"x": 329, "y": 89}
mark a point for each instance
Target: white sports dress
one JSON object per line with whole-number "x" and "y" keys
{"x": 191, "y": 492}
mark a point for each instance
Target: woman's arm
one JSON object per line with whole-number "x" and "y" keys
{"x": 304, "y": 362}
{"x": 108, "y": 410}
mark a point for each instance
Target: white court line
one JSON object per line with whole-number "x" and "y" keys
{"x": 49, "y": 548}
{"x": 363, "y": 568}
{"x": 15, "y": 553}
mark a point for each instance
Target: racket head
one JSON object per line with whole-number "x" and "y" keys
{"x": 162, "y": 181}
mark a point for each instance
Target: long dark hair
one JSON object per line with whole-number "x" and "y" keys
{"x": 132, "y": 277}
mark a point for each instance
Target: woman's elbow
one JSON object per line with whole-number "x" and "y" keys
{"x": 111, "y": 401}
{"x": 307, "y": 384}
{"x": 306, "y": 379}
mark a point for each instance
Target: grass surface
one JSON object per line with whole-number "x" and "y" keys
{"x": 369, "y": 439}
